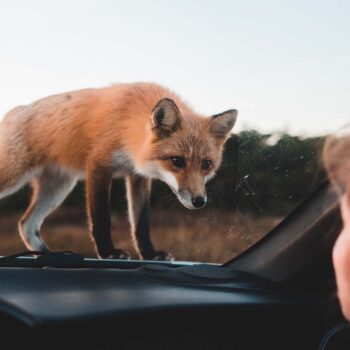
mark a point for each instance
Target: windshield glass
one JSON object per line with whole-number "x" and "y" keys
{"x": 288, "y": 82}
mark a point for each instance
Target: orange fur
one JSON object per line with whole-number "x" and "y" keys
{"x": 70, "y": 127}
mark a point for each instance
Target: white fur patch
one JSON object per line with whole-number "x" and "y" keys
{"x": 169, "y": 179}
{"x": 147, "y": 171}
{"x": 209, "y": 177}
{"x": 186, "y": 200}
{"x": 122, "y": 163}
{"x": 120, "y": 160}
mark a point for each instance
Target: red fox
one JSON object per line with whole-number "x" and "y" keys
{"x": 139, "y": 131}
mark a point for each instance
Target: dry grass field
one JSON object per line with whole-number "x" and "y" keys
{"x": 210, "y": 236}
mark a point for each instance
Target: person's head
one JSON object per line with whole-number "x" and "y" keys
{"x": 337, "y": 163}
{"x": 337, "y": 159}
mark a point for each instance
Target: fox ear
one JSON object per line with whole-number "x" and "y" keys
{"x": 166, "y": 118}
{"x": 221, "y": 124}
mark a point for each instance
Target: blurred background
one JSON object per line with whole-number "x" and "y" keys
{"x": 283, "y": 64}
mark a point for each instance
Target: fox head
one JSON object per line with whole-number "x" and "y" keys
{"x": 186, "y": 150}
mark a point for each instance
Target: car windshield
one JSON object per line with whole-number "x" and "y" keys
{"x": 287, "y": 82}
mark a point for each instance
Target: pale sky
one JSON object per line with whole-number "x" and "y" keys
{"x": 285, "y": 65}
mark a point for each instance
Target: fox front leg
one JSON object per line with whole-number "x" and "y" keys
{"x": 138, "y": 192}
{"x": 98, "y": 187}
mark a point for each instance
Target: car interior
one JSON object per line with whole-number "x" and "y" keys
{"x": 279, "y": 294}
{"x": 163, "y": 174}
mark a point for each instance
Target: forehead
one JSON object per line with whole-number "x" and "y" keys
{"x": 188, "y": 142}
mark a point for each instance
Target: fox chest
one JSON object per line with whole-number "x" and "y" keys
{"x": 122, "y": 164}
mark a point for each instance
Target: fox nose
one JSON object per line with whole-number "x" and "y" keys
{"x": 198, "y": 201}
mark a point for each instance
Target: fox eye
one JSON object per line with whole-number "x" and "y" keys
{"x": 206, "y": 164}
{"x": 179, "y": 162}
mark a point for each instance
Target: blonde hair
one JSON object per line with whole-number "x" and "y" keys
{"x": 336, "y": 155}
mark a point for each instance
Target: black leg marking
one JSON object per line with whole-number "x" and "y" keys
{"x": 144, "y": 241}
{"x": 138, "y": 190}
{"x": 98, "y": 193}
{"x": 142, "y": 233}
{"x": 101, "y": 219}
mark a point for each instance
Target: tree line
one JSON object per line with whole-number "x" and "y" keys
{"x": 262, "y": 173}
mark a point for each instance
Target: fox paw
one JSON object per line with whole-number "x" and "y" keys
{"x": 160, "y": 255}
{"x": 119, "y": 254}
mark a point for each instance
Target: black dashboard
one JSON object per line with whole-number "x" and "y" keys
{"x": 152, "y": 306}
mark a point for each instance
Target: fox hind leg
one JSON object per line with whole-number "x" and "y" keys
{"x": 50, "y": 188}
